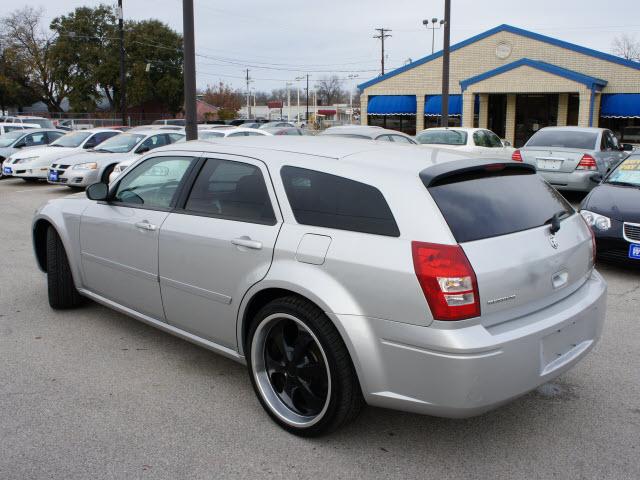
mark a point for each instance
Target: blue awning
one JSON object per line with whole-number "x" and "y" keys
{"x": 433, "y": 105}
{"x": 620, "y": 105}
{"x": 392, "y": 105}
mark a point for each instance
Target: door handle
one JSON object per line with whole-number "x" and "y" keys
{"x": 145, "y": 225}
{"x": 245, "y": 241}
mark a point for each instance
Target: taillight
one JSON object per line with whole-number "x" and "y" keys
{"x": 447, "y": 280}
{"x": 587, "y": 162}
{"x": 516, "y": 156}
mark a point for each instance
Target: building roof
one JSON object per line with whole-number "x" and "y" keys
{"x": 590, "y": 82}
{"x": 511, "y": 29}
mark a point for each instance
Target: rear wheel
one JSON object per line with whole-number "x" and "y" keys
{"x": 300, "y": 368}
{"x": 61, "y": 289}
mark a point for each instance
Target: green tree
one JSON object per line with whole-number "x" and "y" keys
{"x": 154, "y": 63}
{"x": 86, "y": 49}
{"x": 15, "y": 89}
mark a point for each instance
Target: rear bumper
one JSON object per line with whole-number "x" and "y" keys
{"x": 461, "y": 372}
{"x": 577, "y": 180}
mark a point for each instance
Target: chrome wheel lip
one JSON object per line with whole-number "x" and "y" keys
{"x": 261, "y": 378}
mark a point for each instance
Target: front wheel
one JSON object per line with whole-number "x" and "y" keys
{"x": 300, "y": 368}
{"x": 61, "y": 288}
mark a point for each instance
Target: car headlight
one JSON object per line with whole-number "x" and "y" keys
{"x": 25, "y": 160}
{"x": 595, "y": 220}
{"x": 85, "y": 166}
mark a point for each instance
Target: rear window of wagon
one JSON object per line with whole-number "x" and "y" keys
{"x": 485, "y": 206}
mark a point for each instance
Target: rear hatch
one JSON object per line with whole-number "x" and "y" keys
{"x": 502, "y": 216}
{"x": 558, "y": 150}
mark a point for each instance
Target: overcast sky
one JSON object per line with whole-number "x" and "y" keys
{"x": 287, "y": 38}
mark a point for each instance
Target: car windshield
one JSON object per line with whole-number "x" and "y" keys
{"x": 121, "y": 143}
{"x": 442, "y": 137}
{"x": 72, "y": 140}
{"x": 43, "y": 122}
{"x": 563, "y": 139}
{"x": 206, "y": 135}
{"x": 627, "y": 173}
{"x": 8, "y": 138}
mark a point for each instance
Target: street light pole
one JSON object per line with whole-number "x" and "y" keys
{"x": 445, "y": 63}
{"x": 123, "y": 75}
{"x": 191, "y": 121}
{"x": 288, "y": 101}
{"x": 351, "y": 76}
{"x": 307, "y": 116}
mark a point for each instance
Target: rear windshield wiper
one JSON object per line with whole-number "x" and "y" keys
{"x": 554, "y": 221}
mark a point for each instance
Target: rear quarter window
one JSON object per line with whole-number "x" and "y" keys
{"x": 479, "y": 207}
{"x": 325, "y": 200}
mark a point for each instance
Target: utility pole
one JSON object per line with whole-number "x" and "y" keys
{"x": 351, "y": 76}
{"x": 248, "y": 96}
{"x": 307, "y": 117}
{"x": 123, "y": 75}
{"x": 190, "y": 114}
{"x": 445, "y": 64}
{"x": 382, "y": 35}
{"x": 288, "y": 84}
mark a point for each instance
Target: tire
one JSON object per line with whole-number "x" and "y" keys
{"x": 106, "y": 173}
{"x": 300, "y": 368}
{"x": 61, "y": 289}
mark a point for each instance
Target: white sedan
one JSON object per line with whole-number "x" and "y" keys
{"x": 479, "y": 141}
{"x": 214, "y": 132}
{"x": 34, "y": 162}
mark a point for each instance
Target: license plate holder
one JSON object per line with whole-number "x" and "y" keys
{"x": 53, "y": 176}
{"x": 548, "y": 164}
{"x": 6, "y": 171}
{"x": 634, "y": 251}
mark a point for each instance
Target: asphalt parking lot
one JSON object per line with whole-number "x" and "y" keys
{"x": 90, "y": 393}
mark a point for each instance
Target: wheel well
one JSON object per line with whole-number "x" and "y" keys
{"x": 258, "y": 301}
{"x": 40, "y": 242}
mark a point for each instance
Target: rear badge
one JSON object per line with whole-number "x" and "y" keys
{"x": 553, "y": 241}
{"x": 500, "y": 300}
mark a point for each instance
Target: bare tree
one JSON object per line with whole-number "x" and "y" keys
{"x": 330, "y": 91}
{"x": 626, "y": 46}
{"x": 22, "y": 32}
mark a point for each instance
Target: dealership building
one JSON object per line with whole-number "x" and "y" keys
{"x": 511, "y": 81}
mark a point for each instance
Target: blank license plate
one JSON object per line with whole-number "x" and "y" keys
{"x": 53, "y": 176}
{"x": 634, "y": 251}
{"x": 7, "y": 170}
{"x": 549, "y": 164}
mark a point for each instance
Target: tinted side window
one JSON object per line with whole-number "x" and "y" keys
{"x": 325, "y": 200}
{"x": 36, "y": 139}
{"x": 400, "y": 139}
{"x": 233, "y": 191}
{"x": 492, "y": 140}
{"x": 153, "y": 183}
{"x": 102, "y": 136}
{"x": 478, "y": 138}
{"x": 384, "y": 138}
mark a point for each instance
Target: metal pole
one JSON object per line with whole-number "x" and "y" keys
{"x": 190, "y": 115}
{"x": 350, "y": 106}
{"x": 307, "y": 117}
{"x": 248, "y": 97}
{"x": 433, "y": 38}
{"x": 298, "y": 107}
{"x": 123, "y": 75}
{"x": 445, "y": 63}
{"x": 288, "y": 102}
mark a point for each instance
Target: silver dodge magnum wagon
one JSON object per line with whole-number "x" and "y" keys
{"x": 340, "y": 271}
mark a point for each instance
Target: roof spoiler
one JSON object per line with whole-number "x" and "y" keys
{"x": 467, "y": 169}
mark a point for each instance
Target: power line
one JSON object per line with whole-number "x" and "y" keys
{"x": 382, "y": 35}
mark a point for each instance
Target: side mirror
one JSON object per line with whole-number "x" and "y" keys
{"x": 596, "y": 178}
{"x": 626, "y": 147}
{"x": 20, "y": 145}
{"x": 506, "y": 143}
{"x": 143, "y": 149}
{"x": 90, "y": 144}
{"x": 98, "y": 191}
